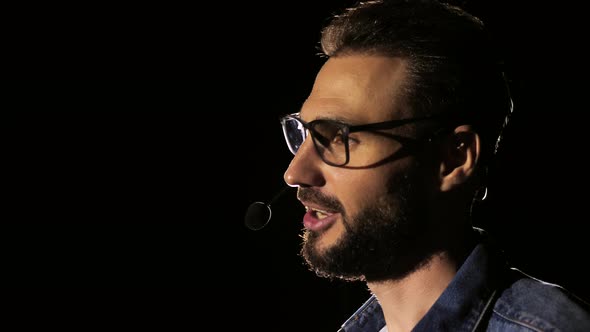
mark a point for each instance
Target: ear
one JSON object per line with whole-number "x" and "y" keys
{"x": 460, "y": 154}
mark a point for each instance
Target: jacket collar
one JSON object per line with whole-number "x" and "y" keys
{"x": 461, "y": 306}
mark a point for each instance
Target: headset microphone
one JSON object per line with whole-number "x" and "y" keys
{"x": 259, "y": 213}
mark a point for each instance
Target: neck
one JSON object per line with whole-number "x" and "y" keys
{"x": 405, "y": 301}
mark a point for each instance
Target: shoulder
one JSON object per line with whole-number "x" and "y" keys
{"x": 532, "y": 304}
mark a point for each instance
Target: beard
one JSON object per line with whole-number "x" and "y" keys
{"x": 387, "y": 239}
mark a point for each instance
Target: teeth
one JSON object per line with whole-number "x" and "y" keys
{"x": 321, "y": 214}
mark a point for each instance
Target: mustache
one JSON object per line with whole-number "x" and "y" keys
{"x": 316, "y": 197}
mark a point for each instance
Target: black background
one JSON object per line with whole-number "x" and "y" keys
{"x": 135, "y": 138}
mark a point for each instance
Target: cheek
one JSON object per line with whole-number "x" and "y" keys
{"x": 356, "y": 189}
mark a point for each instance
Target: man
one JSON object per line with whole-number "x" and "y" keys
{"x": 391, "y": 150}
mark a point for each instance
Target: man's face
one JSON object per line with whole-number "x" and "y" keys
{"x": 361, "y": 221}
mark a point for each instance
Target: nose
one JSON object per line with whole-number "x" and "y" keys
{"x": 305, "y": 169}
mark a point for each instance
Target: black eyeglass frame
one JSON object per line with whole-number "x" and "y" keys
{"x": 346, "y": 130}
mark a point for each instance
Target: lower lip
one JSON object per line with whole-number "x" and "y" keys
{"x": 312, "y": 223}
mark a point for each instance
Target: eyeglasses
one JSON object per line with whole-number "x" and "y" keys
{"x": 331, "y": 138}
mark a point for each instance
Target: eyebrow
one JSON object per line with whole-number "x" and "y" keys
{"x": 335, "y": 118}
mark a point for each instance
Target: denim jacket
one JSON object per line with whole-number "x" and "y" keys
{"x": 487, "y": 295}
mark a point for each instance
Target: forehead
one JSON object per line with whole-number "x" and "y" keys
{"x": 357, "y": 88}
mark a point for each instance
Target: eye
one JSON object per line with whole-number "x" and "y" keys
{"x": 354, "y": 140}
{"x": 328, "y": 133}
{"x": 338, "y": 138}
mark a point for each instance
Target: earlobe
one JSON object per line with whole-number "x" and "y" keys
{"x": 459, "y": 158}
